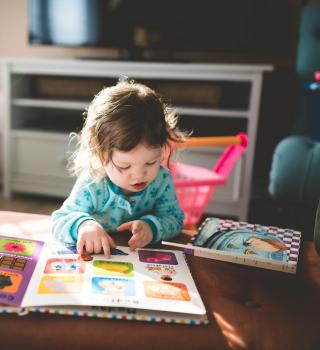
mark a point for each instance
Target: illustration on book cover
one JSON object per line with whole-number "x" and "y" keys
{"x": 267, "y": 242}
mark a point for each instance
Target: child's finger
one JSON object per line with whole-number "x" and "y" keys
{"x": 136, "y": 241}
{"x": 136, "y": 227}
{"x": 97, "y": 247}
{"x": 89, "y": 246}
{"x": 135, "y": 245}
{"x": 106, "y": 247}
{"x": 125, "y": 226}
{"x": 132, "y": 241}
{"x": 80, "y": 245}
{"x": 111, "y": 242}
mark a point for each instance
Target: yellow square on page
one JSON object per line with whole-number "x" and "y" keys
{"x": 60, "y": 285}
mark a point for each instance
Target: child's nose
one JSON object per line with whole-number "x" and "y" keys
{"x": 139, "y": 172}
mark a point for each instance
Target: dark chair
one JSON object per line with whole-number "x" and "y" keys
{"x": 316, "y": 236}
{"x": 294, "y": 182}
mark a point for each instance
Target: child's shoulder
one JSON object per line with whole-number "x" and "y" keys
{"x": 86, "y": 179}
{"x": 164, "y": 173}
{"x": 163, "y": 178}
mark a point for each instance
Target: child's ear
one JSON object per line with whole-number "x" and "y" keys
{"x": 165, "y": 155}
{"x": 105, "y": 159}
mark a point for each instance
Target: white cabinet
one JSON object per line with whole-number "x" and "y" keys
{"x": 38, "y": 163}
{"x": 37, "y": 125}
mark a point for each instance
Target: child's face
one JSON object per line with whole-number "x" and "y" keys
{"x": 134, "y": 170}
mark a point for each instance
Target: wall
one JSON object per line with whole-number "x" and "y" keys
{"x": 14, "y": 40}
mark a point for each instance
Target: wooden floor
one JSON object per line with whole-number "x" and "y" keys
{"x": 30, "y": 204}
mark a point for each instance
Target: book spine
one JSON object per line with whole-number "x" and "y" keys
{"x": 120, "y": 314}
{"x": 13, "y": 310}
{"x": 240, "y": 259}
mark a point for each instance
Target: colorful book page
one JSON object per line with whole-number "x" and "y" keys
{"x": 18, "y": 259}
{"x": 146, "y": 279}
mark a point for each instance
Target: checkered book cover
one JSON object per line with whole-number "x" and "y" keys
{"x": 290, "y": 237}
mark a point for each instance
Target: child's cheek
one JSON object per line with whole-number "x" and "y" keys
{"x": 156, "y": 171}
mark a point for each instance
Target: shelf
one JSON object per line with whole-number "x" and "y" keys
{"x": 82, "y": 105}
{"x": 40, "y": 134}
{"x": 49, "y": 103}
{"x": 136, "y": 70}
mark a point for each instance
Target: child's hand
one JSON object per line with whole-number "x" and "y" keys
{"x": 141, "y": 233}
{"x": 92, "y": 237}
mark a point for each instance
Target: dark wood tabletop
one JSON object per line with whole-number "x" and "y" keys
{"x": 248, "y": 308}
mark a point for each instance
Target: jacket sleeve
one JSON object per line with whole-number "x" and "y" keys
{"x": 78, "y": 207}
{"x": 167, "y": 219}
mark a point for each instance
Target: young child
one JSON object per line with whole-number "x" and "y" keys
{"x": 121, "y": 184}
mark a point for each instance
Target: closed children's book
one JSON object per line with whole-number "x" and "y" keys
{"x": 248, "y": 244}
{"x": 147, "y": 284}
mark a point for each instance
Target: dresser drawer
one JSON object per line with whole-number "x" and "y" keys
{"x": 40, "y": 154}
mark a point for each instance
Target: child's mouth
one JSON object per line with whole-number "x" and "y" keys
{"x": 139, "y": 186}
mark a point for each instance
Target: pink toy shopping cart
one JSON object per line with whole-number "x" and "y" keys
{"x": 194, "y": 185}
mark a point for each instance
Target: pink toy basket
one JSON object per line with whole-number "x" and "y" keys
{"x": 194, "y": 185}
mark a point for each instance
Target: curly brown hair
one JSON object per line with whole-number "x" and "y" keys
{"x": 119, "y": 118}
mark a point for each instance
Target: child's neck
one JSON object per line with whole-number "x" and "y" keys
{"x": 126, "y": 192}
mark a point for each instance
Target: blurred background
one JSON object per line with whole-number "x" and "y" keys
{"x": 284, "y": 34}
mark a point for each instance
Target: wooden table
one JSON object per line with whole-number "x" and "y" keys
{"x": 249, "y": 308}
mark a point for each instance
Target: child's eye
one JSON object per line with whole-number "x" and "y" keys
{"x": 123, "y": 168}
{"x": 151, "y": 163}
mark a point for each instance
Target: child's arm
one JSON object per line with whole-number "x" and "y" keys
{"x": 77, "y": 208}
{"x": 167, "y": 219}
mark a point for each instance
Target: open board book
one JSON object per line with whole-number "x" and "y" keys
{"x": 243, "y": 243}
{"x": 148, "y": 284}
